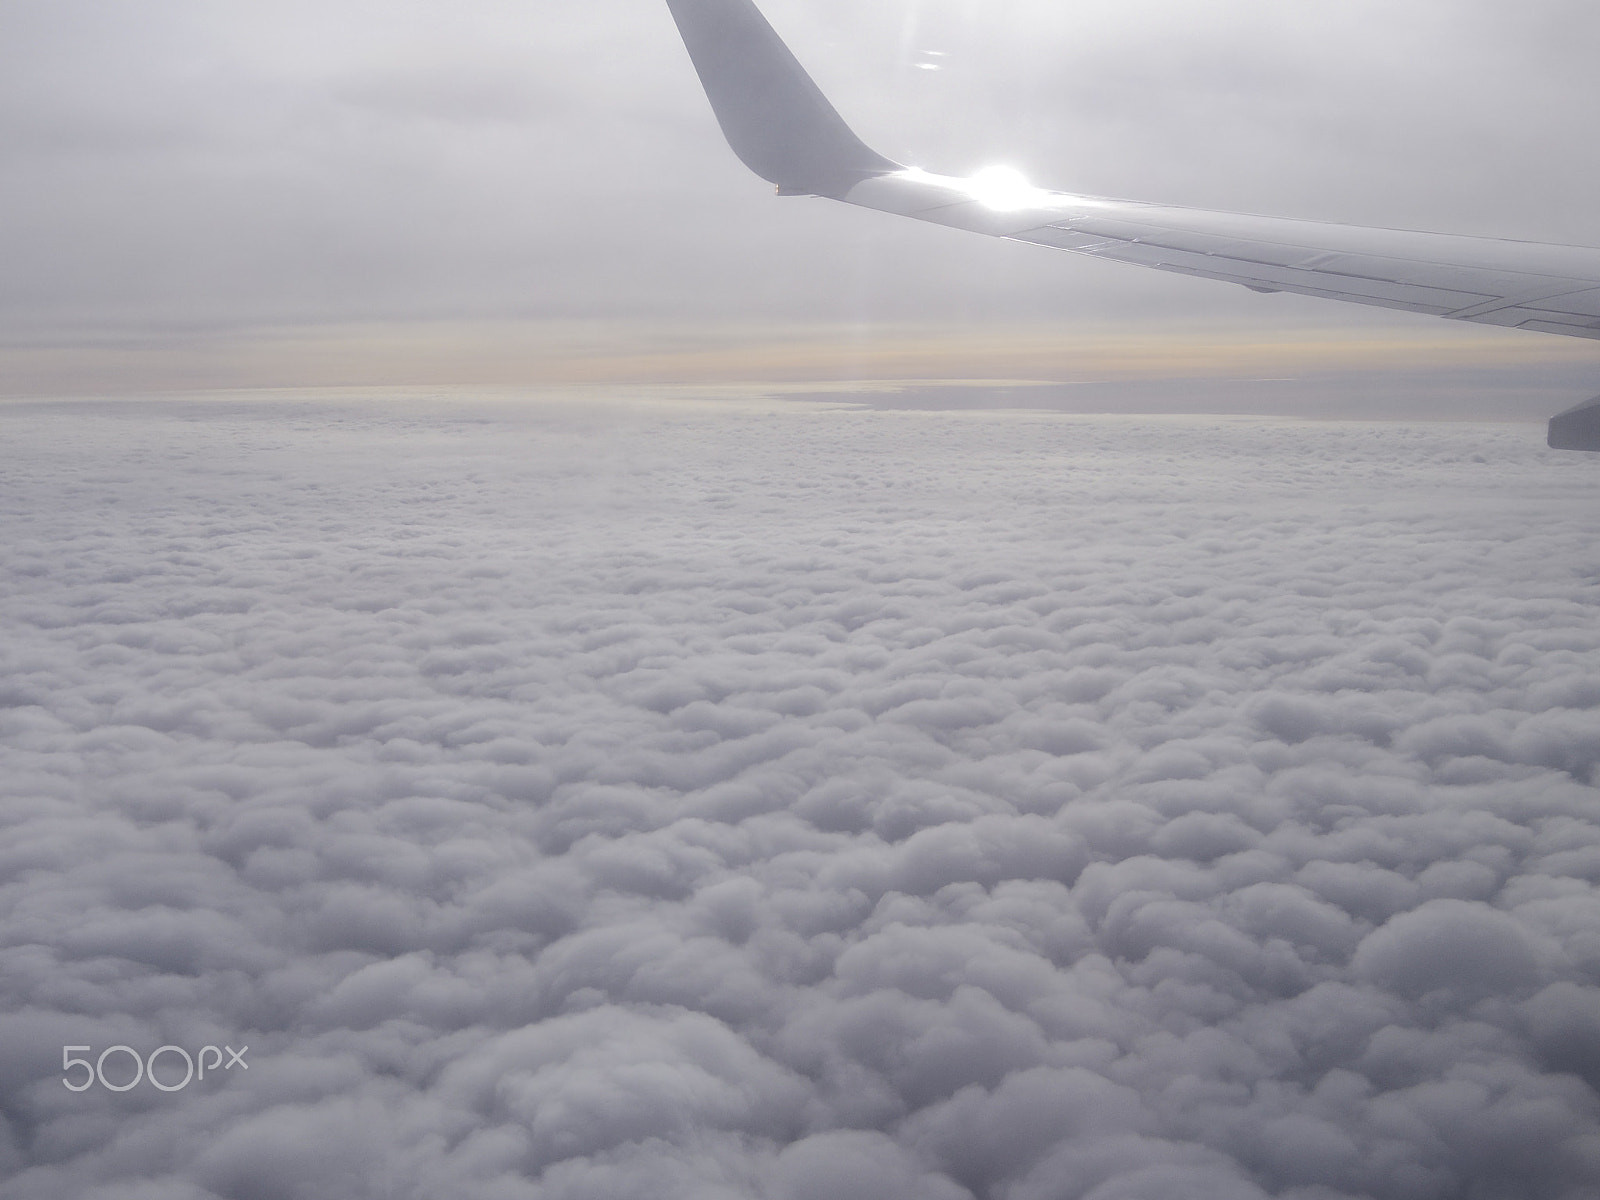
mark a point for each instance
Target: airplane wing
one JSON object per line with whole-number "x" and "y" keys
{"x": 784, "y": 129}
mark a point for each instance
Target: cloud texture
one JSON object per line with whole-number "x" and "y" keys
{"x": 623, "y": 800}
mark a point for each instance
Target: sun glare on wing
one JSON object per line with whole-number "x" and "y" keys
{"x": 1004, "y": 189}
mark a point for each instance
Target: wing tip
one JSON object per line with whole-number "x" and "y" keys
{"x": 773, "y": 114}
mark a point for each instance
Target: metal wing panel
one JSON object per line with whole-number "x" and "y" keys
{"x": 1380, "y": 286}
{"x": 1586, "y": 304}
{"x": 1527, "y": 285}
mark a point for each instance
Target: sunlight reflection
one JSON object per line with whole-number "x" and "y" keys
{"x": 1004, "y": 189}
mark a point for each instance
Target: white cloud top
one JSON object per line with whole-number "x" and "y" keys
{"x": 645, "y": 801}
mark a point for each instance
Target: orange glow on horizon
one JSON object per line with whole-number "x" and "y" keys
{"x": 512, "y": 354}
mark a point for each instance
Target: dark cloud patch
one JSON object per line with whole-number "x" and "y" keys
{"x": 612, "y": 799}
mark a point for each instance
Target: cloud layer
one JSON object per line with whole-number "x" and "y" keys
{"x": 616, "y": 800}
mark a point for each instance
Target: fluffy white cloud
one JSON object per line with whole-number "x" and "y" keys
{"x": 615, "y": 799}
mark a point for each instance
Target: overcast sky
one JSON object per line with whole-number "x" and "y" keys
{"x": 207, "y": 194}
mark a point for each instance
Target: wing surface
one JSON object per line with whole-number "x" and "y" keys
{"x": 1527, "y": 285}
{"x": 781, "y": 125}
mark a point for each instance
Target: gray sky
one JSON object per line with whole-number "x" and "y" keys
{"x": 198, "y": 193}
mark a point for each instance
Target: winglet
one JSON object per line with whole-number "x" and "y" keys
{"x": 774, "y": 116}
